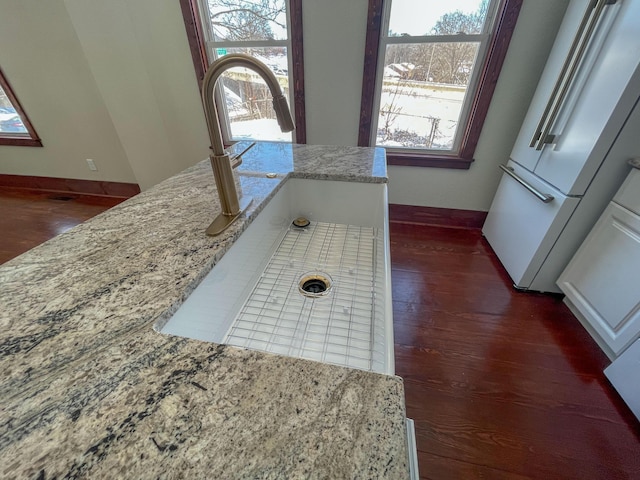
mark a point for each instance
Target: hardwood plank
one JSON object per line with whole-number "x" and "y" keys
{"x": 71, "y": 185}
{"x": 445, "y": 467}
{"x": 518, "y": 440}
{"x": 449, "y": 217}
{"x": 572, "y": 396}
{"x": 408, "y": 240}
{"x": 500, "y": 384}
{"x": 517, "y": 323}
{"x": 31, "y": 217}
{"x": 473, "y": 348}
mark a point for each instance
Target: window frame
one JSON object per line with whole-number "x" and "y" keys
{"x": 500, "y": 36}
{"x": 197, "y": 38}
{"x": 31, "y": 138}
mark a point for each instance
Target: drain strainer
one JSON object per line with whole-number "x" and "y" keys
{"x": 301, "y": 222}
{"x": 315, "y": 284}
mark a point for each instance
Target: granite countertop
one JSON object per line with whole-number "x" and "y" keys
{"x": 89, "y": 389}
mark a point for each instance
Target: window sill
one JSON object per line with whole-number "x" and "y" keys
{"x": 432, "y": 161}
{"x": 20, "y": 142}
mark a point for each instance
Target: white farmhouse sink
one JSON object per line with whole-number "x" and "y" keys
{"x": 251, "y": 298}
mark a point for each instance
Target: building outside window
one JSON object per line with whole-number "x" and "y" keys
{"x": 262, "y": 29}
{"x": 434, "y": 74}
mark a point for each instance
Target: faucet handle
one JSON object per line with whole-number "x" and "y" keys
{"x": 236, "y": 159}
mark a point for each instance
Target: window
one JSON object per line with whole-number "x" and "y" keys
{"x": 435, "y": 66}
{"x": 269, "y": 30}
{"x": 15, "y": 127}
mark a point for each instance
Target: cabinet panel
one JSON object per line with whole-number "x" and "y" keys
{"x": 629, "y": 194}
{"x": 602, "y": 278}
{"x": 623, "y": 374}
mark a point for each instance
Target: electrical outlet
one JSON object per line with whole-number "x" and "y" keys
{"x": 92, "y": 165}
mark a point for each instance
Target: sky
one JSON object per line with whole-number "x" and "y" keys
{"x": 417, "y": 17}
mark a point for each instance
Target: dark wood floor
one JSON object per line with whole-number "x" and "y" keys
{"x": 29, "y": 218}
{"x": 501, "y": 384}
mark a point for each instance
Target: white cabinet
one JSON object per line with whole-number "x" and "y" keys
{"x": 602, "y": 281}
{"x": 623, "y": 375}
{"x": 629, "y": 193}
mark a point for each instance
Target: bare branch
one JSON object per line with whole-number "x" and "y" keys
{"x": 244, "y": 20}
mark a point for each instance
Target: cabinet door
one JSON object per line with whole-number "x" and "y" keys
{"x": 623, "y": 375}
{"x": 629, "y": 194}
{"x": 603, "y": 277}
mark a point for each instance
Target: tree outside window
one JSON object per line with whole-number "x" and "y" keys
{"x": 261, "y": 29}
{"x": 435, "y": 67}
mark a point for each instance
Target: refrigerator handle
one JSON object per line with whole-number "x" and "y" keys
{"x": 591, "y": 17}
{"x": 544, "y": 197}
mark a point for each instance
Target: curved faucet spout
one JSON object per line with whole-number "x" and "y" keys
{"x": 231, "y": 205}
{"x": 216, "y": 69}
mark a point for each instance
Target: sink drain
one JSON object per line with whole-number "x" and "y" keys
{"x": 301, "y": 222}
{"x": 315, "y": 284}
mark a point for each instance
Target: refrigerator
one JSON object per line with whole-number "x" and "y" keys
{"x": 571, "y": 154}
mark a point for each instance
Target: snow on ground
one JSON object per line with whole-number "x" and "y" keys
{"x": 413, "y": 110}
{"x": 261, "y": 129}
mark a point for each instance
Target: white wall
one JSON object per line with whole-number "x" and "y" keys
{"x": 144, "y": 78}
{"x": 334, "y": 37}
{"x": 45, "y": 65}
{"x": 113, "y": 81}
{"x": 109, "y": 80}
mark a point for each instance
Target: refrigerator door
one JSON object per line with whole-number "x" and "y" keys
{"x": 523, "y": 153}
{"x": 522, "y": 229}
{"x": 601, "y": 98}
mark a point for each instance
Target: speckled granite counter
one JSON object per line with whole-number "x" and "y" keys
{"x": 90, "y": 390}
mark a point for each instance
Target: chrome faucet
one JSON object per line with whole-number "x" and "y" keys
{"x": 231, "y": 205}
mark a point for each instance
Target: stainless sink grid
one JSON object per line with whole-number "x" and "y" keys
{"x": 338, "y": 328}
